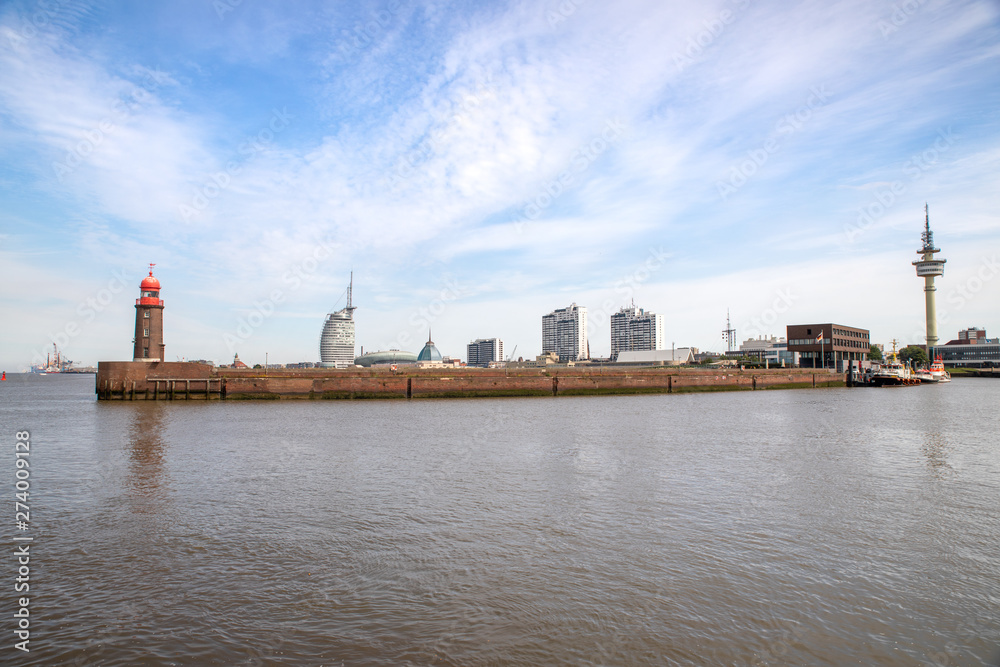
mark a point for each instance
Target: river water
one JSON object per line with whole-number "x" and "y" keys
{"x": 814, "y": 526}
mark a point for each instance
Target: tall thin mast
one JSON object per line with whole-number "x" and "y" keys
{"x": 729, "y": 333}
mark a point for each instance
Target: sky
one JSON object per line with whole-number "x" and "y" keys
{"x": 478, "y": 165}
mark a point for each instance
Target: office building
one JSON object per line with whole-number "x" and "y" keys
{"x": 972, "y": 349}
{"x": 828, "y": 345}
{"x": 482, "y": 351}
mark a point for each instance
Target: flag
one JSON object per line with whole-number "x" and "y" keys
{"x": 819, "y": 338}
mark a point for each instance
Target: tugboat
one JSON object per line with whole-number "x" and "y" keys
{"x": 893, "y": 373}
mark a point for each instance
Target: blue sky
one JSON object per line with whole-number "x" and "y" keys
{"x": 478, "y": 165}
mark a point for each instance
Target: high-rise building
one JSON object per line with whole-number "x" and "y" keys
{"x": 484, "y": 350}
{"x": 564, "y": 332}
{"x": 972, "y": 335}
{"x": 148, "y": 342}
{"x": 336, "y": 344}
{"x": 633, "y": 329}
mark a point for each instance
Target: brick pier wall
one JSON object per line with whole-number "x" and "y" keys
{"x": 172, "y": 380}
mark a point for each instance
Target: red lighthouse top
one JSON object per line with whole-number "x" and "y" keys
{"x": 150, "y": 290}
{"x": 149, "y": 282}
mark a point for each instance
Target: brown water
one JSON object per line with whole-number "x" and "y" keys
{"x": 821, "y": 527}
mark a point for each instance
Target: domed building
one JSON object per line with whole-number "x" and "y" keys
{"x": 386, "y": 357}
{"x": 430, "y": 353}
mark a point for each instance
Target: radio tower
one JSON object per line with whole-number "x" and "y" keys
{"x": 928, "y": 268}
{"x": 729, "y": 333}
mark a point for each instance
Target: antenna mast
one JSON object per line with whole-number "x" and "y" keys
{"x": 350, "y": 289}
{"x": 729, "y": 333}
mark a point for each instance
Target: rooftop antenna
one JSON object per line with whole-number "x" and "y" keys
{"x": 729, "y": 333}
{"x": 350, "y": 289}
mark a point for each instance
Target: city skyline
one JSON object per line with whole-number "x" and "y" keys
{"x": 478, "y": 166}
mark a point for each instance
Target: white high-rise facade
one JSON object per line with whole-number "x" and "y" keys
{"x": 564, "y": 332}
{"x": 633, "y": 329}
{"x": 336, "y": 344}
{"x": 484, "y": 350}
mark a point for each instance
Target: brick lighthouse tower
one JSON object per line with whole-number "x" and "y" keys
{"x": 149, "y": 321}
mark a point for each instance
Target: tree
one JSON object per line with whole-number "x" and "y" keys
{"x": 874, "y": 353}
{"x": 706, "y": 361}
{"x": 257, "y": 366}
{"x": 914, "y": 354}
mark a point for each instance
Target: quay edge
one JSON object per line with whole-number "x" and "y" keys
{"x": 155, "y": 380}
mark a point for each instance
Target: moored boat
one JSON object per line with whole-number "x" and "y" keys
{"x": 892, "y": 373}
{"x": 937, "y": 370}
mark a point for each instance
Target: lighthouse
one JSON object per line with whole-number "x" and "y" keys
{"x": 149, "y": 321}
{"x": 929, "y": 268}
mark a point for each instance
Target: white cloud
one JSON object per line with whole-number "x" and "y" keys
{"x": 414, "y": 154}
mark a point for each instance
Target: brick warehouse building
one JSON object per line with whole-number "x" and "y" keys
{"x": 840, "y": 344}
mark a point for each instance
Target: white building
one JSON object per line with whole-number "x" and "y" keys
{"x": 336, "y": 344}
{"x": 672, "y": 357}
{"x": 483, "y": 351}
{"x": 564, "y": 332}
{"x": 633, "y": 329}
{"x": 771, "y": 349}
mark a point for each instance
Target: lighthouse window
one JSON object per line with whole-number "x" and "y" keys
{"x": 145, "y": 332}
{"x": 145, "y": 314}
{"x": 145, "y": 353}
{"x": 149, "y": 294}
